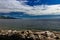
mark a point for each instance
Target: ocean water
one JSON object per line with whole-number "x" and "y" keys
{"x": 30, "y": 24}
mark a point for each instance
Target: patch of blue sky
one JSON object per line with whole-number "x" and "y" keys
{"x": 42, "y": 2}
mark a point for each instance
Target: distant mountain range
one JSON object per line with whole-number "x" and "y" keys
{"x": 3, "y": 17}
{"x": 19, "y": 15}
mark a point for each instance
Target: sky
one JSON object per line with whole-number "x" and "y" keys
{"x": 31, "y": 7}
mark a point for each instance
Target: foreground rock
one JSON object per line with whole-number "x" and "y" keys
{"x": 28, "y": 35}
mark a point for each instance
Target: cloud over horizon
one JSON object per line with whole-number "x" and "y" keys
{"x": 7, "y": 6}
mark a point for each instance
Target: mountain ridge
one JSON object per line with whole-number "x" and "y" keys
{"x": 19, "y": 15}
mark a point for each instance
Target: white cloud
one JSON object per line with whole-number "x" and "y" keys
{"x": 19, "y": 6}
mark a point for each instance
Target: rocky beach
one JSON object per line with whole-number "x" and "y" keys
{"x": 29, "y": 35}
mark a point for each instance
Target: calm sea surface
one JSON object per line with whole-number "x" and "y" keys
{"x": 21, "y": 24}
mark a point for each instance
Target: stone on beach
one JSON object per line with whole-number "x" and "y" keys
{"x": 28, "y": 35}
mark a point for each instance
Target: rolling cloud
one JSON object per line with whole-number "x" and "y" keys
{"x": 7, "y": 6}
